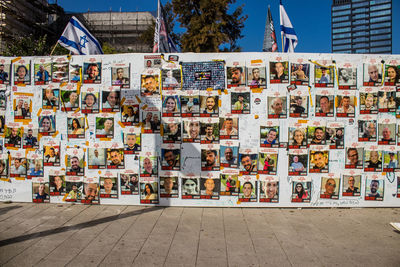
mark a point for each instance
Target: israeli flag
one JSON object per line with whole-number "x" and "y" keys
{"x": 289, "y": 37}
{"x": 78, "y": 39}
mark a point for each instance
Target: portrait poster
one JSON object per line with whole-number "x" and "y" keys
{"x": 90, "y": 194}
{"x": 230, "y": 184}
{"x": 210, "y": 184}
{"x": 129, "y": 181}
{"x": 108, "y": 185}
{"x": 40, "y": 190}
{"x": 75, "y": 161}
{"x": 352, "y": 181}
{"x": 149, "y": 190}
{"x": 269, "y": 188}
{"x": 369, "y": 100}
{"x": 169, "y": 184}
{"x": 57, "y": 182}
{"x": 190, "y": 103}
{"x": 74, "y": 189}
{"x": 330, "y": 185}
{"x": 301, "y": 189}
{"x": 374, "y": 187}
{"x": 248, "y": 188}
{"x": 190, "y": 185}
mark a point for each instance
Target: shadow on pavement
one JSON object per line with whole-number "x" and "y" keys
{"x": 7, "y": 209}
{"x": 79, "y": 226}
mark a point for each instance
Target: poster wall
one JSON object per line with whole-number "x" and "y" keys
{"x": 229, "y": 130}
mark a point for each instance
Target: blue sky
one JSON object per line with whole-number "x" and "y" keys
{"x": 310, "y": 18}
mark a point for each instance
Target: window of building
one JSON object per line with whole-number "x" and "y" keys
{"x": 379, "y": 19}
{"x": 362, "y": 50}
{"x": 380, "y": 25}
{"x": 381, "y": 49}
{"x": 340, "y": 13}
{"x": 360, "y": 39}
{"x": 361, "y": 21}
{"x": 335, "y": 8}
{"x": 341, "y": 41}
{"x": 362, "y": 4}
{"x": 380, "y": 13}
{"x": 360, "y": 10}
{"x": 360, "y": 45}
{"x": 342, "y": 51}
{"x": 380, "y": 37}
{"x": 346, "y": 29}
{"x": 336, "y": 19}
{"x": 360, "y": 16}
{"x": 379, "y": 31}
{"x": 340, "y": 47}
{"x": 342, "y": 24}
{"x": 341, "y": 35}
{"x": 360, "y": 28}
{"x": 356, "y": 34}
{"x": 381, "y": 43}
{"x": 379, "y": 7}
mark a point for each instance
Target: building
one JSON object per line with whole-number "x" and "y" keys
{"x": 24, "y": 17}
{"x": 362, "y": 26}
{"x": 122, "y": 30}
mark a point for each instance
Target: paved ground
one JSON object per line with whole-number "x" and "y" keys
{"x": 78, "y": 235}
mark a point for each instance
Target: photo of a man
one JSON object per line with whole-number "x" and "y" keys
{"x": 104, "y": 127}
{"x": 92, "y": 72}
{"x": 269, "y": 191}
{"x": 150, "y": 85}
{"x": 235, "y": 76}
{"x": 374, "y": 189}
{"x": 330, "y": 188}
{"x": 256, "y": 77}
{"x": 171, "y": 159}
{"x": 248, "y": 163}
{"x": 115, "y": 158}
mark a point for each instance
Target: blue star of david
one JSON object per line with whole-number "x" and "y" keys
{"x": 82, "y": 42}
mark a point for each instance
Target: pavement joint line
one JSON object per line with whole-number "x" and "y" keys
{"x": 36, "y": 214}
{"x": 172, "y": 239}
{"x": 13, "y": 207}
{"x": 248, "y": 231}
{"x": 119, "y": 239}
{"x": 67, "y": 228}
{"x": 147, "y": 238}
{"x": 198, "y": 243}
{"x": 306, "y": 245}
{"x": 277, "y": 239}
{"x": 226, "y": 246}
{"x": 72, "y": 233}
{"x": 107, "y": 225}
{"x": 23, "y": 250}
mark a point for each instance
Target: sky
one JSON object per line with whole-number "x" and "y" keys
{"x": 311, "y": 20}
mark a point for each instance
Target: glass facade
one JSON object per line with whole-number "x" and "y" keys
{"x": 362, "y": 26}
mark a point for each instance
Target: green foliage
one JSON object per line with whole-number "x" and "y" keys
{"x": 26, "y": 46}
{"x": 208, "y": 25}
{"x": 31, "y": 46}
{"x": 108, "y": 49}
{"x": 147, "y": 36}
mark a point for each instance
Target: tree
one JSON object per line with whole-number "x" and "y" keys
{"x": 109, "y": 49}
{"x": 148, "y": 36}
{"x": 31, "y": 46}
{"x": 208, "y": 25}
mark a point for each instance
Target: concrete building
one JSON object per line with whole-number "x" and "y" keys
{"x": 362, "y": 26}
{"x": 122, "y": 30}
{"x": 24, "y": 17}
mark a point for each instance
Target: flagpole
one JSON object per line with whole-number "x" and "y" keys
{"x": 280, "y": 3}
{"x": 54, "y": 48}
